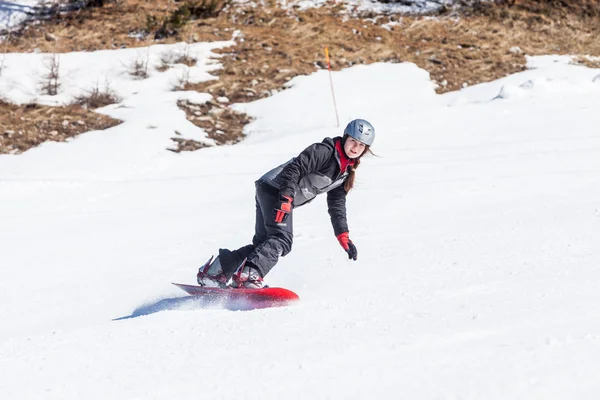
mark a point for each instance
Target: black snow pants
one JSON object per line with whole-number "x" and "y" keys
{"x": 271, "y": 240}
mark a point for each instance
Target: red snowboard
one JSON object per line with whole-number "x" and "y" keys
{"x": 246, "y": 299}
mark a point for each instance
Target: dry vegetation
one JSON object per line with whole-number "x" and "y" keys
{"x": 97, "y": 97}
{"x": 481, "y": 43}
{"x": 220, "y": 123}
{"x": 24, "y": 127}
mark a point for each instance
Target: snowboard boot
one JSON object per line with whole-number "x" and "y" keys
{"x": 247, "y": 277}
{"x": 211, "y": 274}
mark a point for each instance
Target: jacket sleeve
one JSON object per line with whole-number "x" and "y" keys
{"x": 310, "y": 160}
{"x": 336, "y": 203}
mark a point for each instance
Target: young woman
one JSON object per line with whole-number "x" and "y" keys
{"x": 326, "y": 167}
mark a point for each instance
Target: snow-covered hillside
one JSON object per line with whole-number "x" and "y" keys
{"x": 14, "y": 12}
{"x": 477, "y": 229}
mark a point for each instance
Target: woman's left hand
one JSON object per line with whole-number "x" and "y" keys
{"x": 347, "y": 244}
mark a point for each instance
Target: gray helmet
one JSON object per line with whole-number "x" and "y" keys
{"x": 361, "y": 130}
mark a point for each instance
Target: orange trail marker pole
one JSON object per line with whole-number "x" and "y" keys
{"x": 331, "y": 84}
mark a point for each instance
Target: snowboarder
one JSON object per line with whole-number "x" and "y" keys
{"x": 326, "y": 167}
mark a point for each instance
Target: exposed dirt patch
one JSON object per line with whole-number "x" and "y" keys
{"x": 24, "y": 127}
{"x": 220, "y": 123}
{"x": 186, "y": 144}
{"x": 483, "y": 43}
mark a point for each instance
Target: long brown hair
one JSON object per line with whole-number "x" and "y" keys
{"x": 349, "y": 184}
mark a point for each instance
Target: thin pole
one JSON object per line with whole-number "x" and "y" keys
{"x": 331, "y": 84}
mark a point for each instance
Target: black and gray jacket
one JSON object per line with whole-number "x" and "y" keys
{"x": 314, "y": 171}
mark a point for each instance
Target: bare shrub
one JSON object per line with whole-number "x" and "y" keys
{"x": 139, "y": 67}
{"x": 182, "y": 79}
{"x": 51, "y": 81}
{"x": 170, "y": 57}
{"x": 167, "y": 59}
{"x": 97, "y": 97}
{"x": 186, "y": 58}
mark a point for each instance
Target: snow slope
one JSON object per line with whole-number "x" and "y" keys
{"x": 14, "y": 12}
{"x": 477, "y": 229}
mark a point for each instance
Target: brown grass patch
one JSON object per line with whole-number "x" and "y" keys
{"x": 220, "y": 123}
{"x": 24, "y": 127}
{"x": 116, "y": 25}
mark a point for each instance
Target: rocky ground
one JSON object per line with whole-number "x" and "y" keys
{"x": 473, "y": 44}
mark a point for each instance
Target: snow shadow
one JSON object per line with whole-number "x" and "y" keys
{"x": 171, "y": 304}
{"x": 191, "y": 303}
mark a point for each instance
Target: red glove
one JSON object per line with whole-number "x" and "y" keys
{"x": 347, "y": 244}
{"x": 284, "y": 209}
